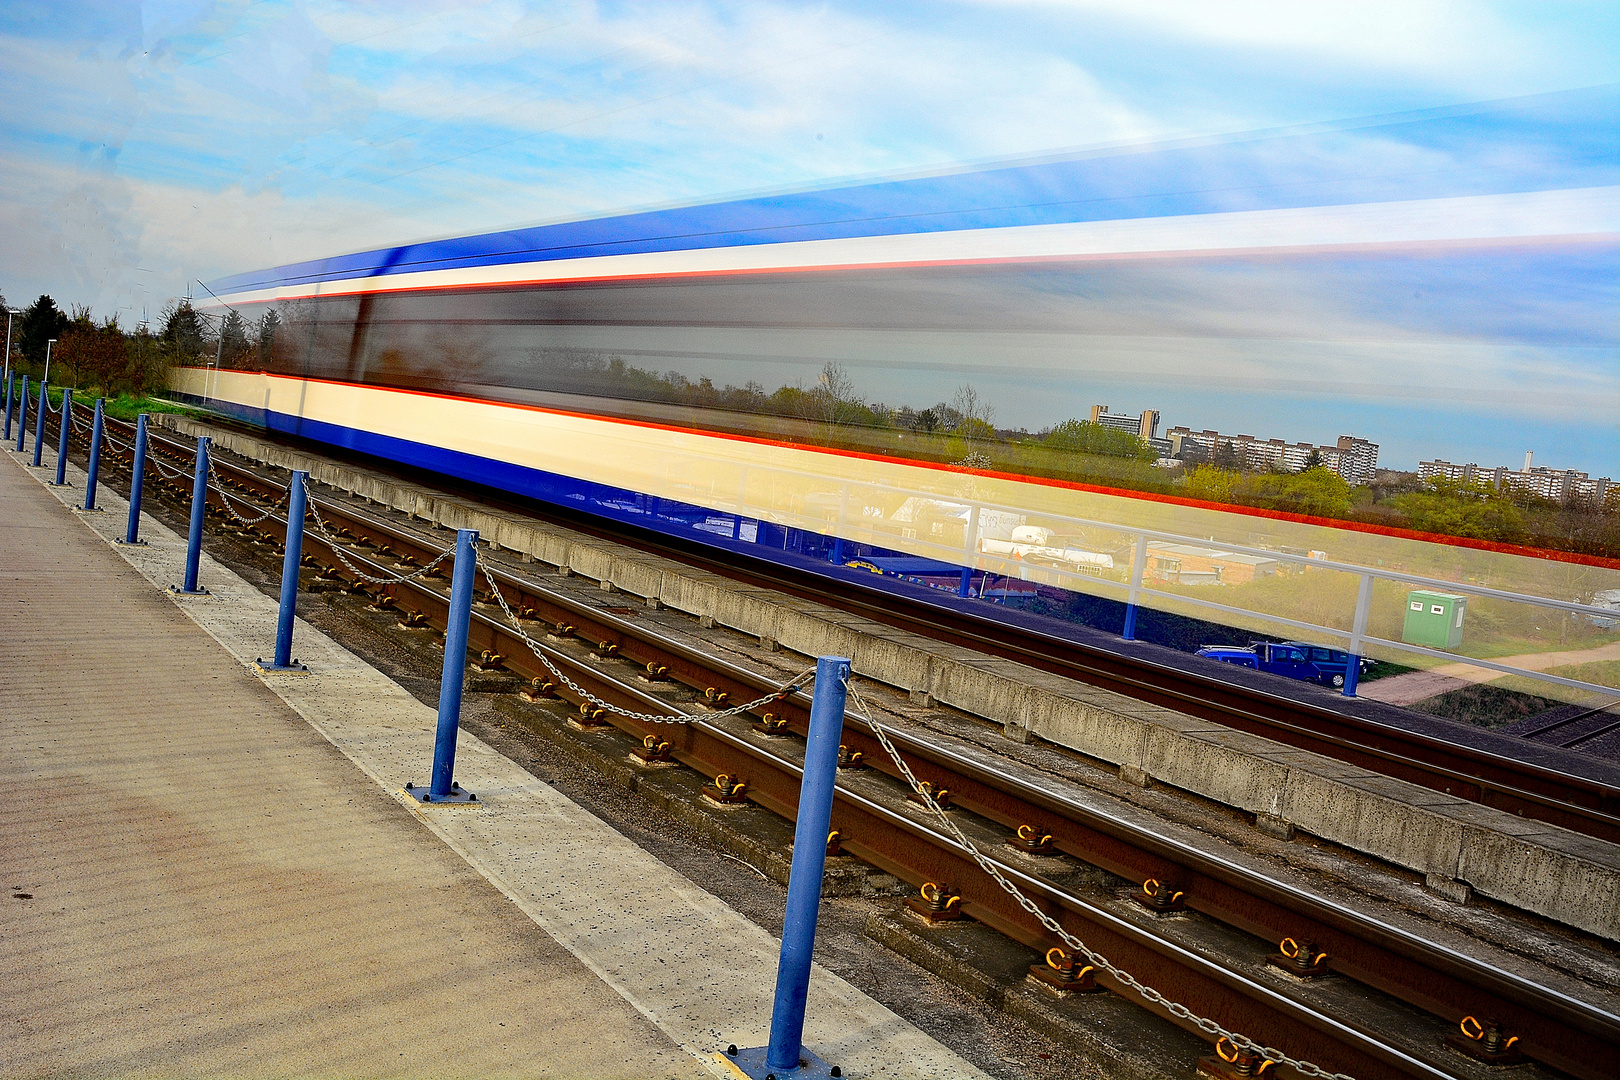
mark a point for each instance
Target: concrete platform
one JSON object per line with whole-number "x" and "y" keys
{"x": 199, "y": 881}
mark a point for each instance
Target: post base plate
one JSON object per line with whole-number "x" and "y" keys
{"x": 750, "y": 1065}
{"x": 457, "y": 796}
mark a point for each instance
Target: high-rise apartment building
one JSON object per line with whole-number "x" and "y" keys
{"x": 1557, "y": 485}
{"x": 1358, "y": 459}
{"x": 1354, "y": 459}
{"x": 1144, "y": 426}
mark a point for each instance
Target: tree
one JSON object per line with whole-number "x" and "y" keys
{"x": 1456, "y": 508}
{"x": 42, "y": 321}
{"x": 1319, "y": 492}
{"x": 1313, "y": 460}
{"x": 147, "y": 361}
{"x": 925, "y": 422}
{"x": 1084, "y": 437}
{"x": 265, "y": 334}
{"x": 233, "y": 338}
{"x": 182, "y": 332}
{"x": 1226, "y": 457}
{"x": 95, "y": 352}
{"x": 1212, "y": 484}
{"x": 832, "y": 400}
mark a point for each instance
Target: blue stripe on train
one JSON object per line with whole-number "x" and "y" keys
{"x": 1545, "y": 142}
{"x": 668, "y": 516}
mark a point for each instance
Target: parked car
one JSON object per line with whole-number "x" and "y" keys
{"x": 1294, "y": 659}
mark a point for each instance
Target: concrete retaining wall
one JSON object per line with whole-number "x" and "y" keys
{"x": 1457, "y": 844}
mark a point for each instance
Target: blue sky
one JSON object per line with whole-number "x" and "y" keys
{"x": 147, "y": 145}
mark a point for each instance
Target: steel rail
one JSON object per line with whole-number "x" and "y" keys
{"x": 1363, "y": 948}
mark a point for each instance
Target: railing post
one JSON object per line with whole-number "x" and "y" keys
{"x": 39, "y": 425}
{"x": 199, "y": 504}
{"x": 786, "y": 1049}
{"x": 970, "y": 547}
{"x": 442, "y": 786}
{"x": 132, "y": 531}
{"x": 11, "y": 380}
{"x": 62, "y": 438}
{"x": 1138, "y": 566}
{"x": 297, "y": 493}
{"x": 22, "y": 415}
{"x": 1358, "y": 630}
{"x": 94, "y": 471}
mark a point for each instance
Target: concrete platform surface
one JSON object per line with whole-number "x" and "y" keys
{"x": 197, "y": 883}
{"x": 214, "y": 890}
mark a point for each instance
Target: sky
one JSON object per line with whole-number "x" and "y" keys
{"x": 149, "y": 146}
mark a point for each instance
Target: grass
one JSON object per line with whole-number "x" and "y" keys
{"x": 128, "y": 406}
{"x": 1485, "y": 705}
{"x": 1601, "y": 672}
{"x": 125, "y": 406}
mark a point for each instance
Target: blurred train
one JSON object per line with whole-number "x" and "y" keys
{"x": 840, "y": 373}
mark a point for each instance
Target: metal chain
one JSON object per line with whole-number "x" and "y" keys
{"x": 651, "y": 718}
{"x": 336, "y": 545}
{"x": 1125, "y": 978}
{"x": 226, "y": 498}
{"x": 157, "y": 463}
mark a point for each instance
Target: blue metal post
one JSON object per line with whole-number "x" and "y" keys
{"x": 966, "y": 587}
{"x": 809, "y": 863}
{"x": 1138, "y": 565}
{"x": 296, "y": 496}
{"x": 838, "y": 551}
{"x": 62, "y": 440}
{"x": 1358, "y": 631}
{"x": 455, "y": 663}
{"x": 199, "y": 503}
{"x": 94, "y": 471}
{"x": 39, "y": 425}
{"x": 11, "y": 381}
{"x": 132, "y": 533}
{"x": 22, "y": 415}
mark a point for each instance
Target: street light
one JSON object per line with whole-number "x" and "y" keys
{"x": 47, "y": 376}
{"x": 10, "y": 311}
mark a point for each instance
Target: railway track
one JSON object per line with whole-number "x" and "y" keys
{"x": 1391, "y": 997}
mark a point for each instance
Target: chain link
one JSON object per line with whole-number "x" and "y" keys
{"x": 337, "y": 549}
{"x": 157, "y": 463}
{"x": 226, "y": 498}
{"x": 1125, "y": 978}
{"x": 651, "y": 718}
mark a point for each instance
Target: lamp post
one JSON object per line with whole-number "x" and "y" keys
{"x": 10, "y": 311}
{"x": 46, "y": 378}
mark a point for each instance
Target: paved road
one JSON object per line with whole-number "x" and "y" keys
{"x": 1415, "y": 686}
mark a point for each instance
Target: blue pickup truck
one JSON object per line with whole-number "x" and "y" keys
{"x": 1295, "y": 659}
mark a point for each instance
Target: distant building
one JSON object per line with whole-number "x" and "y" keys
{"x": 1354, "y": 459}
{"x": 1556, "y": 485}
{"x": 1144, "y": 426}
{"x": 1185, "y": 564}
{"x": 1358, "y": 459}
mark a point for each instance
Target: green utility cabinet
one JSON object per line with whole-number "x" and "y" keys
{"x": 1434, "y": 619}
